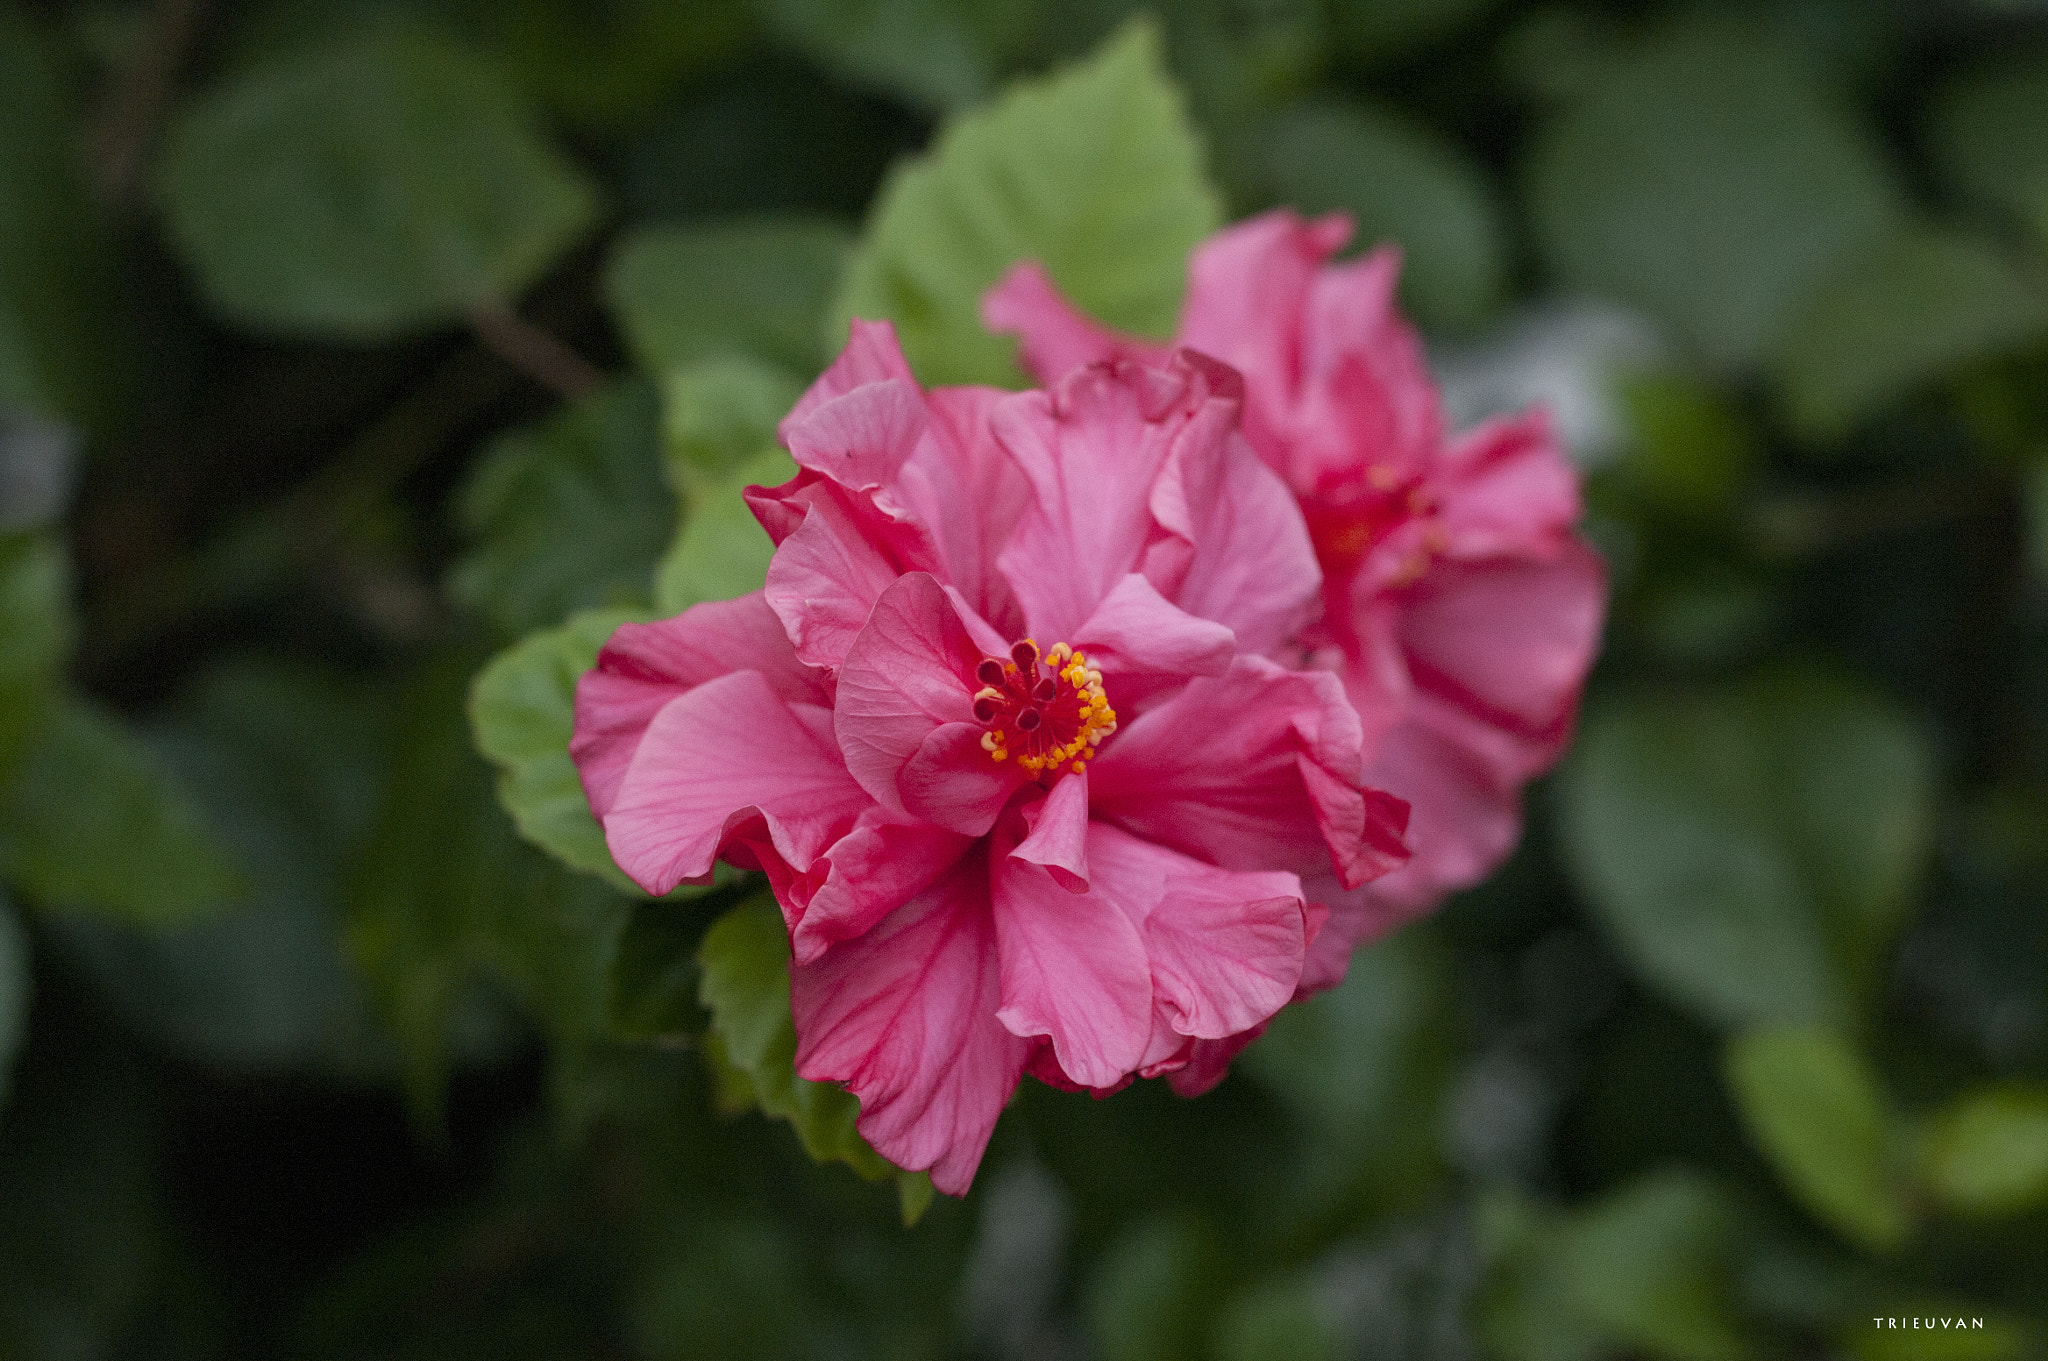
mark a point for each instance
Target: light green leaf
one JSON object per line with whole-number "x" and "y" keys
{"x": 35, "y": 635}
{"x": 720, "y": 412}
{"x": 1401, "y": 183}
{"x": 1708, "y": 179}
{"x": 54, "y": 350}
{"x": 14, "y": 991}
{"x": 1917, "y": 307}
{"x": 1093, "y": 171}
{"x": 91, "y": 822}
{"x": 1815, "y": 1109}
{"x": 444, "y": 895}
{"x": 1987, "y": 133}
{"x": 522, "y": 710}
{"x": 938, "y": 54}
{"x": 1986, "y": 1154}
{"x": 745, "y": 985}
{"x": 568, "y": 514}
{"x": 1751, "y": 850}
{"x": 366, "y": 189}
{"x": 914, "y": 1195}
{"x": 722, "y": 551}
{"x": 754, "y": 288}
{"x": 1649, "y": 1267}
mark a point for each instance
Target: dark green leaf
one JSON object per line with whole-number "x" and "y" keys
{"x": 940, "y": 54}
{"x": 1986, "y": 1154}
{"x": 1814, "y": 1107}
{"x": 759, "y": 289}
{"x": 611, "y": 62}
{"x": 35, "y": 634}
{"x": 1649, "y": 1266}
{"x": 654, "y": 973}
{"x": 1707, "y": 179}
{"x": 1376, "y": 32}
{"x": 1401, "y": 183}
{"x": 366, "y": 189}
{"x": 92, "y": 822}
{"x": 1988, "y": 135}
{"x": 522, "y": 709}
{"x": 745, "y": 986}
{"x": 1751, "y": 850}
{"x": 567, "y": 515}
{"x": 722, "y": 551}
{"x": 1093, "y": 171}
{"x": 14, "y": 991}
{"x": 1154, "y": 1291}
{"x": 1893, "y": 319}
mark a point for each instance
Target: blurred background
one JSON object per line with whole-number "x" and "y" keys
{"x": 348, "y": 348}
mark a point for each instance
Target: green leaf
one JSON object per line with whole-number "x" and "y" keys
{"x": 914, "y": 1194}
{"x": 522, "y": 710}
{"x": 1377, "y": 32}
{"x": 654, "y": 972}
{"x": 718, "y": 413}
{"x": 759, "y": 288}
{"x": 611, "y": 63}
{"x": 366, "y": 189}
{"x": 1751, "y": 850}
{"x": 14, "y": 991}
{"x": 1401, "y": 183}
{"x": 444, "y": 895}
{"x": 1689, "y": 449}
{"x": 568, "y": 514}
{"x": 92, "y": 822}
{"x": 1815, "y": 1109}
{"x": 1987, "y": 133}
{"x": 1649, "y": 1267}
{"x": 1093, "y": 171}
{"x": 2000, "y": 1338}
{"x": 745, "y": 986}
{"x": 35, "y": 635}
{"x": 1276, "y": 1321}
{"x": 1986, "y": 1154}
{"x": 1707, "y": 179}
{"x": 1895, "y": 318}
{"x": 937, "y": 54}
{"x": 722, "y": 551}
{"x": 54, "y": 351}
{"x": 1153, "y": 1293}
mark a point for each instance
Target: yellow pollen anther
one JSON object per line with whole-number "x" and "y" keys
{"x": 1052, "y": 719}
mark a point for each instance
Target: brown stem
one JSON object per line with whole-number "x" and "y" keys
{"x": 534, "y": 352}
{"x": 128, "y": 126}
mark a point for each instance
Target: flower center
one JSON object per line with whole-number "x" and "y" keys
{"x": 1044, "y": 716}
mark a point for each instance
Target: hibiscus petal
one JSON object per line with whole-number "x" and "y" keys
{"x": 909, "y": 671}
{"x": 1253, "y": 568}
{"x": 1055, "y": 336}
{"x": 1074, "y": 969}
{"x": 1256, "y": 769}
{"x": 825, "y": 578}
{"x": 872, "y": 355}
{"x": 905, "y": 1017}
{"x": 712, "y": 759}
{"x": 1209, "y": 1062}
{"x": 1506, "y": 488}
{"x": 861, "y": 438}
{"x": 1225, "y": 946}
{"x": 870, "y": 872}
{"x": 967, "y": 493}
{"x": 644, "y": 666}
{"x": 1059, "y": 833}
{"x": 954, "y": 783}
{"x": 1135, "y": 631}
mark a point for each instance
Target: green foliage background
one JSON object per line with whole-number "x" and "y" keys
{"x": 363, "y": 364}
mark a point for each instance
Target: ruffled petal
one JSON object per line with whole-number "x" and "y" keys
{"x": 825, "y": 578}
{"x": 1055, "y": 337}
{"x": 860, "y": 438}
{"x": 644, "y": 666}
{"x": 1253, "y": 568}
{"x": 905, "y": 1016}
{"x": 967, "y": 493}
{"x": 1506, "y": 488}
{"x": 1135, "y": 632}
{"x": 872, "y": 355}
{"x": 1059, "y": 833}
{"x": 727, "y": 752}
{"x": 874, "y": 869}
{"x": 1208, "y": 1062}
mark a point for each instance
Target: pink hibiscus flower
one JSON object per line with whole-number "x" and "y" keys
{"x": 1001, "y": 733}
{"x": 1460, "y": 608}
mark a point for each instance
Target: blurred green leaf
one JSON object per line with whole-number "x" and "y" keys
{"x": 1751, "y": 850}
{"x": 54, "y": 270}
{"x": 1527, "y": 1309}
{"x": 937, "y": 54}
{"x": 367, "y": 189}
{"x": 1154, "y": 1291}
{"x": 2000, "y": 1339}
{"x": 14, "y": 991}
{"x": 284, "y": 763}
{"x": 718, "y": 413}
{"x": 1893, "y": 319}
{"x": 522, "y": 708}
{"x": 722, "y": 551}
{"x": 1690, "y": 450}
{"x": 444, "y": 894}
{"x": 754, "y": 288}
{"x": 1401, "y": 183}
{"x": 1708, "y": 179}
{"x": 654, "y": 975}
{"x": 610, "y": 63}
{"x": 35, "y": 635}
{"x": 1378, "y": 32}
{"x": 1815, "y": 1109}
{"x": 568, "y": 514}
{"x": 1093, "y": 171}
{"x": 1276, "y": 1321}
{"x": 92, "y": 822}
{"x": 1650, "y": 1267}
{"x": 1986, "y": 1154}
{"x": 745, "y": 985}
{"x": 1987, "y": 132}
